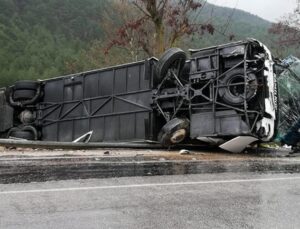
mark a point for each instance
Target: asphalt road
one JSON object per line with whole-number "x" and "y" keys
{"x": 226, "y": 200}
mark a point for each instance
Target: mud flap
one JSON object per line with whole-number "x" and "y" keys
{"x": 238, "y": 144}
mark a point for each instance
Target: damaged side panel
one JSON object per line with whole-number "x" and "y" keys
{"x": 237, "y": 82}
{"x": 216, "y": 95}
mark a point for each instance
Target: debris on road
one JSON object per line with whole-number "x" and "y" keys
{"x": 106, "y": 153}
{"x": 184, "y": 152}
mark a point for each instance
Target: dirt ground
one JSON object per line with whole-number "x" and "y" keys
{"x": 145, "y": 153}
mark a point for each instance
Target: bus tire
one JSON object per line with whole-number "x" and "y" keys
{"x": 174, "y": 132}
{"x": 234, "y": 95}
{"x": 26, "y": 85}
{"x": 172, "y": 58}
{"x": 23, "y": 94}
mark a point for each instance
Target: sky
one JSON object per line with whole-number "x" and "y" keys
{"x": 271, "y": 10}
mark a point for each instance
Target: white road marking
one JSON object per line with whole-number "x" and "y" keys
{"x": 148, "y": 185}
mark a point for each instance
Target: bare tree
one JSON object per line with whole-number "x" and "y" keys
{"x": 157, "y": 25}
{"x": 287, "y": 31}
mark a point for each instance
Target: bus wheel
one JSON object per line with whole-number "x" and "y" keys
{"x": 24, "y": 93}
{"x": 22, "y": 134}
{"x": 174, "y": 132}
{"x": 172, "y": 60}
{"x": 26, "y": 85}
{"x": 233, "y": 87}
{"x": 26, "y": 132}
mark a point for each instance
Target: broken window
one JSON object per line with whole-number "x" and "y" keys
{"x": 289, "y": 96}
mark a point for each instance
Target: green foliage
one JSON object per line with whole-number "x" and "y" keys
{"x": 229, "y": 22}
{"x": 38, "y": 38}
{"x": 241, "y": 25}
{"x": 46, "y": 38}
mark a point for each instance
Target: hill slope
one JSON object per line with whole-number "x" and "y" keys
{"x": 39, "y": 38}
{"x": 235, "y": 22}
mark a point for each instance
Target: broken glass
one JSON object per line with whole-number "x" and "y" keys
{"x": 288, "y": 97}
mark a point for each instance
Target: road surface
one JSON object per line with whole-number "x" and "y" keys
{"x": 226, "y": 200}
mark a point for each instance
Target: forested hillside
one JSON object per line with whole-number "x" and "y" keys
{"x": 232, "y": 22}
{"x": 40, "y": 39}
{"x": 242, "y": 25}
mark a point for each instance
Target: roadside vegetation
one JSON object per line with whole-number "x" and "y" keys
{"x": 42, "y": 39}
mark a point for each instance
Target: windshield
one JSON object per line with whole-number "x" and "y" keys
{"x": 289, "y": 94}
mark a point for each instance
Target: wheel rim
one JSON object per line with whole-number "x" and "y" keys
{"x": 178, "y": 136}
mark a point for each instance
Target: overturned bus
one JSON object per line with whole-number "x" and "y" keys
{"x": 224, "y": 95}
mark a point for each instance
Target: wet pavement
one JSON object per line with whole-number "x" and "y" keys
{"x": 27, "y": 165}
{"x": 222, "y": 200}
{"x": 127, "y": 188}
